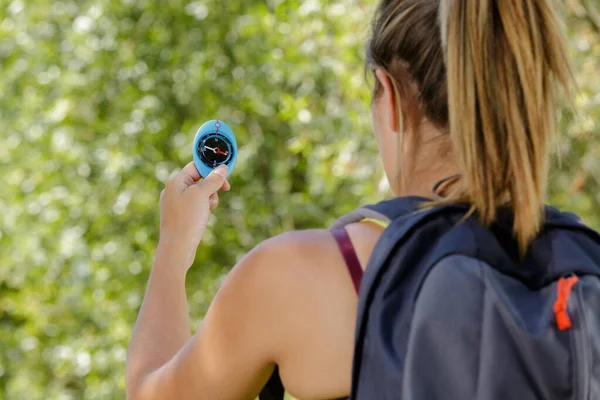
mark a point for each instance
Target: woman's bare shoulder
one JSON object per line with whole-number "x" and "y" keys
{"x": 306, "y": 262}
{"x": 292, "y": 260}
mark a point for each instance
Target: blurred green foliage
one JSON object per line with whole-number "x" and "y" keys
{"x": 100, "y": 101}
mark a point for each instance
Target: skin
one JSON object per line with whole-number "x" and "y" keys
{"x": 299, "y": 315}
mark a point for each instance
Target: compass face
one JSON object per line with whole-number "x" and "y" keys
{"x": 215, "y": 149}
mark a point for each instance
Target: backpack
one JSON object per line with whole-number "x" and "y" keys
{"x": 449, "y": 310}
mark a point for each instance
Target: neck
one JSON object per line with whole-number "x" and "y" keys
{"x": 422, "y": 185}
{"x": 431, "y": 162}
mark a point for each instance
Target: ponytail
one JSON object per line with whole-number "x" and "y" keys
{"x": 504, "y": 61}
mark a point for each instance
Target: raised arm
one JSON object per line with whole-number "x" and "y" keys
{"x": 289, "y": 302}
{"x": 230, "y": 357}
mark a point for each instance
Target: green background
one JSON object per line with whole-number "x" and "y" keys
{"x": 99, "y": 104}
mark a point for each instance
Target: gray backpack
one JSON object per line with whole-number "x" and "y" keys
{"x": 449, "y": 310}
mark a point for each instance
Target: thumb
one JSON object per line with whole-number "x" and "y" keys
{"x": 213, "y": 181}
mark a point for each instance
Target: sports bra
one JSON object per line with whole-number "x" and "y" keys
{"x": 274, "y": 389}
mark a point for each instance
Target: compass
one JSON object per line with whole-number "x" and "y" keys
{"x": 215, "y": 150}
{"x": 214, "y": 145}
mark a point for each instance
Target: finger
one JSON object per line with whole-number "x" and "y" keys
{"x": 185, "y": 178}
{"x": 213, "y": 200}
{"x": 213, "y": 181}
{"x": 190, "y": 173}
{"x": 226, "y": 186}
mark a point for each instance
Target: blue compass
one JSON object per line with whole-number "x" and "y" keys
{"x": 214, "y": 145}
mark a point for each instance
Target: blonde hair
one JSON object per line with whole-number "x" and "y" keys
{"x": 487, "y": 73}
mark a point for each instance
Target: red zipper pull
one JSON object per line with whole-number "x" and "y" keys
{"x": 565, "y": 285}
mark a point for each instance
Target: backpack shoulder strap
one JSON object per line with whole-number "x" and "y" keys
{"x": 398, "y": 230}
{"x": 425, "y": 222}
{"x": 380, "y": 214}
{"x": 361, "y": 214}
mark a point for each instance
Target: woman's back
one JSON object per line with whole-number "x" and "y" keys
{"x": 317, "y": 314}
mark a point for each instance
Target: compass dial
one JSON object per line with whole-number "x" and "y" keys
{"x": 215, "y": 149}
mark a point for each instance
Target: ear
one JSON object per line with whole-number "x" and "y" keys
{"x": 388, "y": 99}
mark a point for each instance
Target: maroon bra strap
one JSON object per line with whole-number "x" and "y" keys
{"x": 352, "y": 262}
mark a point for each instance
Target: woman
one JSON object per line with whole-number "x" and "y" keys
{"x": 464, "y": 94}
